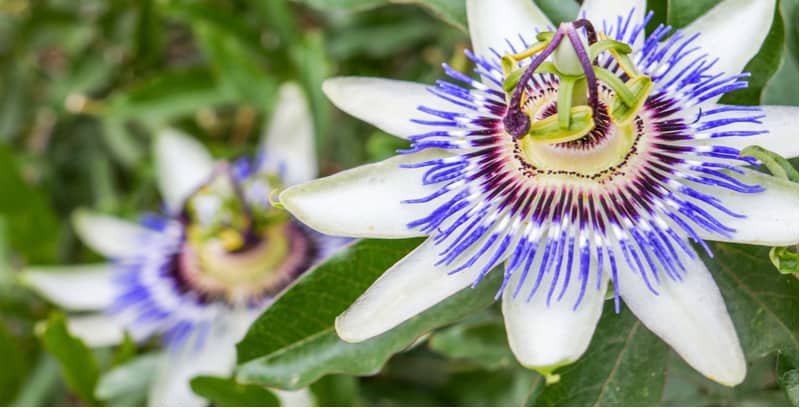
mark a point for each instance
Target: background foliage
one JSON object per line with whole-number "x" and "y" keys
{"x": 83, "y": 86}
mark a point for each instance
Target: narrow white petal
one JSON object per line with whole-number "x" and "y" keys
{"x": 297, "y": 398}
{"x": 81, "y": 287}
{"x": 215, "y": 356}
{"x": 733, "y": 31}
{"x": 289, "y": 139}
{"x": 781, "y": 121}
{"x": 408, "y": 288}
{"x": 365, "y": 201}
{"x": 387, "y": 104}
{"x": 691, "y": 317}
{"x": 772, "y": 215}
{"x": 183, "y": 164}
{"x": 110, "y": 236}
{"x": 598, "y": 11}
{"x": 97, "y": 330}
{"x": 492, "y": 22}
{"x": 546, "y": 337}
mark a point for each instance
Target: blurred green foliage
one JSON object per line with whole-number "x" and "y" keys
{"x": 84, "y": 85}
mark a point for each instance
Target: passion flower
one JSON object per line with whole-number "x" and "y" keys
{"x": 200, "y": 274}
{"x": 581, "y": 156}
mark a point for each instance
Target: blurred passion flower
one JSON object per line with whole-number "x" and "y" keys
{"x": 200, "y": 275}
{"x": 585, "y": 156}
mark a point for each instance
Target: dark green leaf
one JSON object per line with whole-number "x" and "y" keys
{"x": 624, "y": 365}
{"x": 31, "y": 226}
{"x": 306, "y": 347}
{"x": 78, "y": 365}
{"x": 682, "y": 12}
{"x": 310, "y": 60}
{"x": 763, "y": 304}
{"x": 559, "y": 11}
{"x": 453, "y": 12}
{"x": 228, "y": 393}
{"x": 335, "y": 391}
{"x": 687, "y": 387}
{"x": 14, "y": 366}
{"x": 240, "y": 73}
{"x": 41, "y": 384}
{"x": 166, "y": 96}
{"x": 349, "y": 5}
{"x": 787, "y": 376}
{"x": 483, "y": 342}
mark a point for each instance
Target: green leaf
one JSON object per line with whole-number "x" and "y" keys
{"x": 687, "y": 387}
{"x": 510, "y": 387}
{"x": 78, "y": 365}
{"x": 14, "y": 366}
{"x": 311, "y": 62}
{"x": 128, "y": 383}
{"x": 311, "y": 305}
{"x": 624, "y": 365}
{"x": 453, "y": 12}
{"x": 294, "y": 342}
{"x": 335, "y": 391}
{"x": 682, "y": 12}
{"x": 228, "y": 393}
{"x": 278, "y": 15}
{"x": 483, "y": 342}
{"x": 763, "y": 304}
{"x": 30, "y": 224}
{"x": 559, "y": 11}
{"x": 761, "y": 67}
{"x": 165, "y": 96}
{"x": 348, "y": 5}
{"x": 41, "y": 383}
{"x": 238, "y": 70}
{"x": 787, "y": 376}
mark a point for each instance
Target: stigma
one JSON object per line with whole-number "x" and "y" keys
{"x": 573, "y": 61}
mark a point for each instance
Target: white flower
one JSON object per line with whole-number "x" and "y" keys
{"x": 613, "y": 193}
{"x": 200, "y": 275}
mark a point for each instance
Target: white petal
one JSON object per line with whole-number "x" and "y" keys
{"x": 82, "y": 287}
{"x": 781, "y": 121}
{"x": 691, "y": 317}
{"x": 492, "y": 22}
{"x": 297, "y": 398}
{"x": 772, "y": 215}
{"x": 289, "y": 139}
{"x": 216, "y": 356}
{"x": 365, "y": 201}
{"x": 546, "y": 337}
{"x": 387, "y": 104}
{"x": 183, "y": 164}
{"x": 110, "y": 236}
{"x": 733, "y": 31}
{"x": 598, "y": 11}
{"x": 408, "y": 288}
{"x": 97, "y": 330}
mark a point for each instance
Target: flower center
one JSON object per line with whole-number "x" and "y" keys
{"x": 237, "y": 249}
{"x": 242, "y": 277}
{"x": 596, "y": 154}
